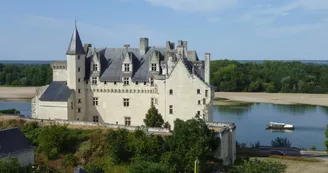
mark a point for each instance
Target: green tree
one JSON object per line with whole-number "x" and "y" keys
{"x": 281, "y": 142}
{"x": 259, "y": 167}
{"x": 148, "y": 167}
{"x": 204, "y": 143}
{"x": 118, "y": 145}
{"x": 153, "y": 118}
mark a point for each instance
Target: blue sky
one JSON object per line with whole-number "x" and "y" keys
{"x": 229, "y": 29}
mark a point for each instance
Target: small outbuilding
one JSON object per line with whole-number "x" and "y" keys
{"x": 13, "y": 144}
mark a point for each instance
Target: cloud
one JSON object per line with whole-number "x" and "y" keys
{"x": 214, "y": 19}
{"x": 194, "y": 5}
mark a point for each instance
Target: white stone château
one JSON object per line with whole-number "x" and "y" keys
{"x": 118, "y": 85}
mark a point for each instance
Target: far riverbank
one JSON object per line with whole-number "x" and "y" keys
{"x": 17, "y": 93}
{"x": 221, "y": 98}
{"x": 227, "y": 98}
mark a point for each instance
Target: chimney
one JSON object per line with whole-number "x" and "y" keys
{"x": 180, "y": 43}
{"x": 185, "y": 44}
{"x": 126, "y": 47}
{"x": 207, "y": 68}
{"x": 86, "y": 47}
{"x": 144, "y": 43}
{"x": 168, "y": 45}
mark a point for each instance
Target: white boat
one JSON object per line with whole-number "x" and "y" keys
{"x": 274, "y": 125}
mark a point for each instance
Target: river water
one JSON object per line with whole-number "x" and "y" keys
{"x": 309, "y": 121}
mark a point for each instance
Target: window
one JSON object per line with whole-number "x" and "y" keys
{"x": 153, "y": 67}
{"x": 206, "y": 93}
{"x": 95, "y": 119}
{"x": 95, "y": 101}
{"x": 71, "y": 105}
{"x": 126, "y": 102}
{"x": 198, "y": 91}
{"x": 78, "y": 91}
{"x": 114, "y": 82}
{"x": 137, "y": 83}
{"x": 151, "y": 81}
{"x": 204, "y": 101}
{"x": 152, "y": 101}
{"x": 126, "y": 81}
{"x": 79, "y": 100}
{"x": 171, "y": 109}
{"x": 94, "y": 67}
{"x": 171, "y": 91}
{"x": 86, "y": 81}
{"x": 127, "y": 121}
{"x": 78, "y": 57}
{"x": 145, "y": 83}
{"x": 126, "y": 67}
{"x": 105, "y": 82}
{"x": 94, "y": 81}
{"x": 199, "y": 102}
{"x": 79, "y": 79}
{"x": 78, "y": 69}
{"x": 78, "y": 110}
{"x": 198, "y": 112}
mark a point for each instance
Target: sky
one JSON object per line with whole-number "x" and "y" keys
{"x": 228, "y": 29}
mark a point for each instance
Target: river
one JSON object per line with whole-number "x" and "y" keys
{"x": 309, "y": 121}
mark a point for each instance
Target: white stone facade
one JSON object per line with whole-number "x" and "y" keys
{"x": 177, "y": 92}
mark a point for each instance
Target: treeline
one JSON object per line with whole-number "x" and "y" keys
{"x": 270, "y": 76}
{"x": 25, "y": 75}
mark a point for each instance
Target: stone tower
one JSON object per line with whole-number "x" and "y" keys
{"x": 75, "y": 75}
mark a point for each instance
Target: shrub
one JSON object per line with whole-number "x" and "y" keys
{"x": 69, "y": 160}
{"x": 313, "y": 148}
{"x": 295, "y": 158}
{"x": 281, "y": 142}
{"x": 254, "y": 166}
{"x": 148, "y": 167}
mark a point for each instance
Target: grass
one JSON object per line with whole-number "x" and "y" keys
{"x": 295, "y": 158}
{"x": 226, "y": 102}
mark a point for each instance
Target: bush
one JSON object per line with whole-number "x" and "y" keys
{"x": 295, "y": 158}
{"x": 313, "y": 148}
{"x": 258, "y": 166}
{"x": 69, "y": 160}
{"x": 281, "y": 142}
{"x": 148, "y": 167}
{"x": 10, "y": 111}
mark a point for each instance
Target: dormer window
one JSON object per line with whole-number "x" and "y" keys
{"x": 126, "y": 81}
{"x": 95, "y": 68}
{"x": 126, "y": 67}
{"x": 153, "y": 67}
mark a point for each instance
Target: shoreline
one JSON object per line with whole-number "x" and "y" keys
{"x": 230, "y": 98}
{"x": 220, "y": 98}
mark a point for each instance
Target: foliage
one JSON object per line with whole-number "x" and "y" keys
{"x": 148, "y": 167}
{"x": 153, "y": 117}
{"x": 12, "y": 166}
{"x": 258, "y": 166}
{"x": 256, "y": 145}
{"x": 326, "y": 142}
{"x": 281, "y": 142}
{"x": 118, "y": 145}
{"x": 204, "y": 142}
{"x": 69, "y": 160}
{"x": 25, "y": 75}
{"x": 10, "y": 111}
{"x": 313, "y": 148}
{"x": 53, "y": 140}
{"x": 269, "y": 76}
{"x": 295, "y": 158}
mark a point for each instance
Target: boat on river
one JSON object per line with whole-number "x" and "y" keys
{"x": 274, "y": 125}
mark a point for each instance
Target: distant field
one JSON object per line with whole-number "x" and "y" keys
{"x": 222, "y": 98}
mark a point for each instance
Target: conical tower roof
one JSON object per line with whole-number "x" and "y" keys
{"x": 75, "y": 46}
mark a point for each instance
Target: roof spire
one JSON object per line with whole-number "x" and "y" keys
{"x": 75, "y": 46}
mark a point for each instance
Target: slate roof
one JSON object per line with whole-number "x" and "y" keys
{"x": 75, "y": 46}
{"x": 80, "y": 170}
{"x": 112, "y": 60}
{"x": 56, "y": 91}
{"x": 13, "y": 140}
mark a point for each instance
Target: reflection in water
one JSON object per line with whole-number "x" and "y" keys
{"x": 296, "y": 109}
{"x": 309, "y": 121}
{"x": 279, "y": 130}
{"x": 235, "y": 110}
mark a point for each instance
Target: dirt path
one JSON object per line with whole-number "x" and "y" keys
{"x": 275, "y": 98}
